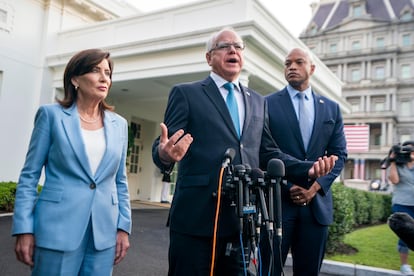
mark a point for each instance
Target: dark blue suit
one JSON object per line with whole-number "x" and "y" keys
{"x": 199, "y": 109}
{"x": 327, "y": 139}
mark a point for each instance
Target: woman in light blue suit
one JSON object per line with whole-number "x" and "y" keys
{"x": 80, "y": 222}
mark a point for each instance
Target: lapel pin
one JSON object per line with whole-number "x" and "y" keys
{"x": 321, "y": 101}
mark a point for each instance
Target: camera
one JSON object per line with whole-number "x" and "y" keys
{"x": 402, "y": 154}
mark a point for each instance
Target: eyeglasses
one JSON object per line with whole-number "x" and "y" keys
{"x": 239, "y": 46}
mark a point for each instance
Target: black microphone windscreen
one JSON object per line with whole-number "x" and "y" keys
{"x": 230, "y": 153}
{"x": 239, "y": 169}
{"x": 275, "y": 168}
{"x": 403, "y": 225}
{"x": 257, "y": 174}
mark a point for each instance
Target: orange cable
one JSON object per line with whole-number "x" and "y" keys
{"x": 213, "y": 254}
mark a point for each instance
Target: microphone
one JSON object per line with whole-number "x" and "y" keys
{"x": 258, "y": 178}
{"x": 275, "y": 171}
{"x": 276, "y": 168}
{"x": 228, "y": 157}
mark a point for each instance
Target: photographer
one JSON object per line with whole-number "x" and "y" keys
{"x": 401, "y": 174}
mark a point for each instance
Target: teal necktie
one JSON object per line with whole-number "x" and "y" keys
{"x": 232, "y": 106}
{"x": 304, "y": 125}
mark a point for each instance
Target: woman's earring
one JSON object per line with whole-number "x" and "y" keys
{"x": 76, "y": 88}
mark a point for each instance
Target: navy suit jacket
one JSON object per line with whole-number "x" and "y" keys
{"x": 199, "y": 109}
{"x": 327, "y": 139}
{"x": 72, "y": 196}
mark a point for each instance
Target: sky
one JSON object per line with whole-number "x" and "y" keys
{"x": 293, "y": 14}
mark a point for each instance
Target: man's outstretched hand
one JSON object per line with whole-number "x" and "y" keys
{"x": 173, "y": 149}
{"x": 322, "y": 166}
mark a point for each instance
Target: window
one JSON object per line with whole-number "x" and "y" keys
{"x": 135, "y": 147}
{"x": 406, "y": 40}
{"x": 356, "y": 45}
{"x": 333, "y": 48}
{"x": 378, "y": 103}
{"x": 405, "y": 71}
{"x": 405, "y": 108}
{"x": 355, "y": 103}
{"x": 406, "y": 15}
{"x": 355, "y": 75}
{"x": 356, "y": 11}
{"x": 380, "y": 42}
{"x": 379, "y": 72}
{"x": 375, "y": 134}
{"x": 6, "y": 17}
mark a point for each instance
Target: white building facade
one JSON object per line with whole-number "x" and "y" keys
{"x": 369, "y": 45}
{"x": 151, "y": 52}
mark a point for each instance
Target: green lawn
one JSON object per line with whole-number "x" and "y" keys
{"x": 376, "y": 245}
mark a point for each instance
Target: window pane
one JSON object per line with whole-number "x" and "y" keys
{"x": 406, "y": 40}
{"x": 357, "y": 11}
{"x": 379, "y": 72}
{"x": 355, "y": 75}
{"x": 405, "y": 71}
{"x": 379, "y": 106}
{"x": 406, "y": 16}
{"x": 405, "y": 108}
{"x": 380, "y": 42}
{"x": 356, "y": 45}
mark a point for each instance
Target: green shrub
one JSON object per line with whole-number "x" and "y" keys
{"x": 361, "y": 204}
{"x": 376, "y": 210}
{"x": 354, "y": 208}
{"x": 7, "y": 195}
{"x": 343, "y": 216}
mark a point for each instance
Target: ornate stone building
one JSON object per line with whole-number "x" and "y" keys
{"x": 369, "y": 45}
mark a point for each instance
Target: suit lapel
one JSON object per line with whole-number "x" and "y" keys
{"x": 319, "y": 113}
{"x": 247, "y": 107}
{"x": 72, "y": 127}
{"x": 212, "y": 92}
{"x": 290, "y": 115}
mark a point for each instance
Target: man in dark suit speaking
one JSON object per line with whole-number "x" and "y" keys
{"x": 305, "y": 125}
{"x": 204, "y": 119}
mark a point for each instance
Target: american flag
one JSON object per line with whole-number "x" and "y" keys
{"x": 357, "y": 138}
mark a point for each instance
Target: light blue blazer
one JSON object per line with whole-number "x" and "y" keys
{"x": 71, "y": 195}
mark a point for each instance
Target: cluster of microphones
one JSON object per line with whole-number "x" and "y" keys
{"x": 253, "y": 192}
{"x": 256, "y": 197}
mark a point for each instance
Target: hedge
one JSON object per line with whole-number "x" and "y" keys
{"x": 352, "y": 209}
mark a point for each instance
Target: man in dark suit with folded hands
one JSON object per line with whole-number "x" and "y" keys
{"x": 200, "y": 130}
{"x": 305, "y": 131}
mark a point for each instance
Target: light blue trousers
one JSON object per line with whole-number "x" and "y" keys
{"x": 84, "y": 261}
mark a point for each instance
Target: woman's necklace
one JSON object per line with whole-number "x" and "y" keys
{"x": 89, "y": 121}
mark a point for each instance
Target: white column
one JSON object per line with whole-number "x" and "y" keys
{"x": 368, "y": 68}
{"x": 389, "y": 135}
{"x": 383, "y": 134}
{"x": 244, "y": 78}
{"x": 388, "y": 68}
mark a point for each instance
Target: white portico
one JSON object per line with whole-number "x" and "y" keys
{"x": 154, "y": 51}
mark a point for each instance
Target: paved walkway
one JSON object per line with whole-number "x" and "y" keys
{"x": 149, "y": 243}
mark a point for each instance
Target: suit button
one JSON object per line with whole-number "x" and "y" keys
{"x": 92, "y": 186}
